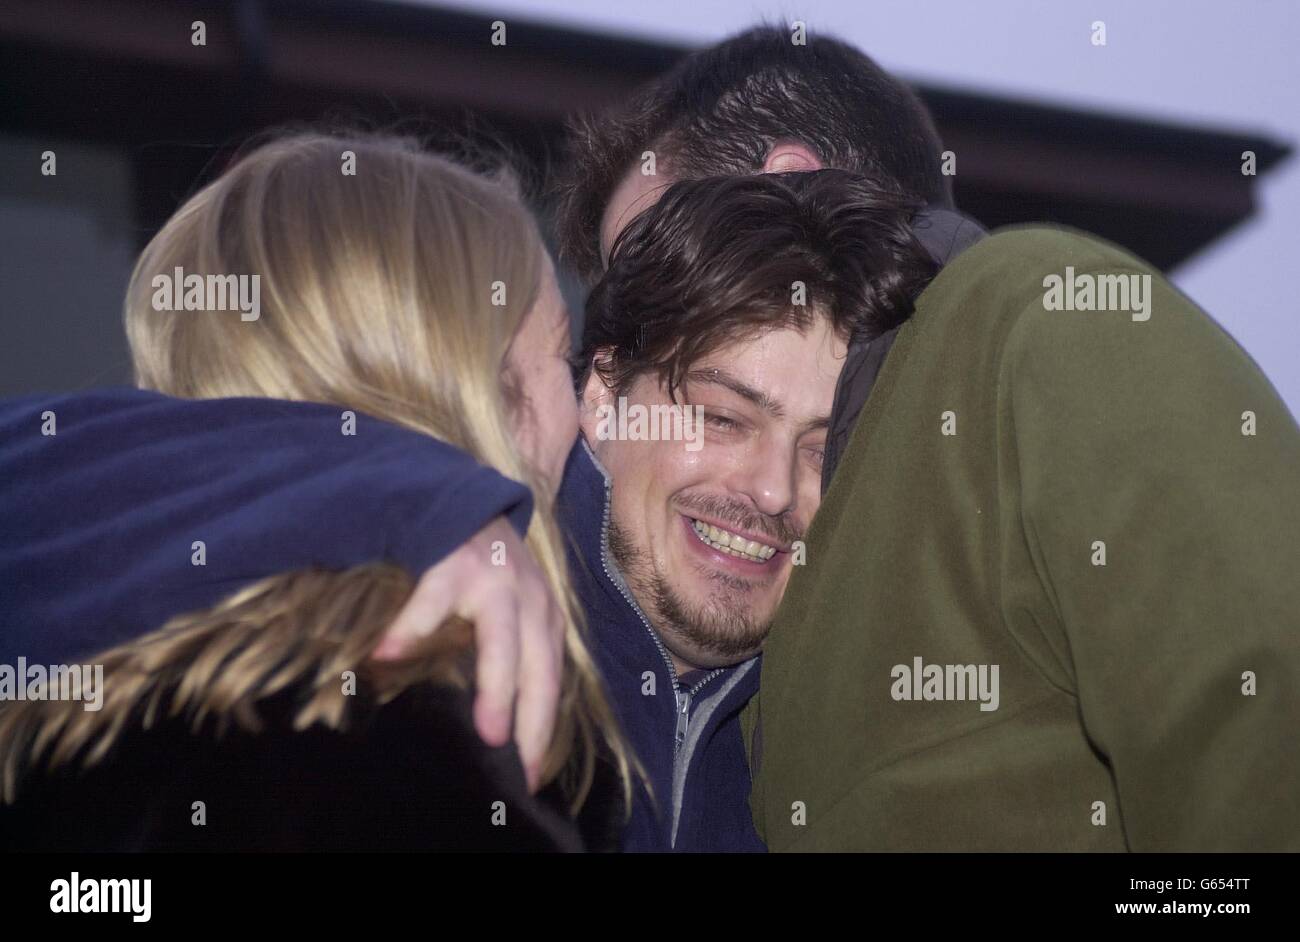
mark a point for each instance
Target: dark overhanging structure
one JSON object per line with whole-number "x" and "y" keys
{"x": 123, "y": 75}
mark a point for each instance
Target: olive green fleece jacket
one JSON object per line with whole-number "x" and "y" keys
{"x": 1074, "y": 497}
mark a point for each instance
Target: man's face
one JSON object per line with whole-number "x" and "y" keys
{"x": 703, "y": 535}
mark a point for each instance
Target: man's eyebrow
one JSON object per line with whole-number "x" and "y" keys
{"x": 718, "y": 377}
{"x": 722, "y": 378}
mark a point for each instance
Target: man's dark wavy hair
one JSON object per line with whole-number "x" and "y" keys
{"x": 721, "y": 109}
{"x": 718, "y": 260}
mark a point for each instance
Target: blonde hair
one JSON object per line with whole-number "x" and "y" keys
{"x": 377, "y": 293}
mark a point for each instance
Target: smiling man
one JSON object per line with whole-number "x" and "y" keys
{"x": 705, "y": 537}
{"x": 705, "y": 540}
{"x": 733, "y": 298}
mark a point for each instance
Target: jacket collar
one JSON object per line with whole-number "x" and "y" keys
{"x": 586, "y": 495}
{"x": 944, "y": 234}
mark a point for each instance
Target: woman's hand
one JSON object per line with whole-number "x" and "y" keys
{"x": 518, "y": 628}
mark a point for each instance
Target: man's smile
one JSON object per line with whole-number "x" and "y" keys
{"x": 730, "y": 550}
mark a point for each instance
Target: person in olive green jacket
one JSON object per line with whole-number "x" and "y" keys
{"x": 1051, "y": 598}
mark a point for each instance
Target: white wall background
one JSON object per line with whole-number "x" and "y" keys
{"x": 1226, "y": 64}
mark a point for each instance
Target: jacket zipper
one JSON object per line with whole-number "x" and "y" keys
{"x": 684, "y": 708}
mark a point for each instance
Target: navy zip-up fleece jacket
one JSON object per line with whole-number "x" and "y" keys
{"x": 106, "y": 494}
{"x": 690, "y": 741}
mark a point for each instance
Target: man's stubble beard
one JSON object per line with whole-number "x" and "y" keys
{"x": 723, "y": 632}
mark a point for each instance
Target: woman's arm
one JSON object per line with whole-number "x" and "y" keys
{"x": 123, "y": 508}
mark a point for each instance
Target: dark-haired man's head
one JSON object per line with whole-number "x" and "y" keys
{"x": 758, "y": 102}
{"x": 735, "y": 296}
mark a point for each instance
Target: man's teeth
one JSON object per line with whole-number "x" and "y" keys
{"x": 727, "y": 542}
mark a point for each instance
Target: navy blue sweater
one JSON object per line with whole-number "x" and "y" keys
{"x": 98, "y": 522}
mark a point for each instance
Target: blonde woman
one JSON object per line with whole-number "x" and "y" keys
{"x": 405, "y": 311}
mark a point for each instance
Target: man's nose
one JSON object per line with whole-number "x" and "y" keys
{"x": 767, "y": 476}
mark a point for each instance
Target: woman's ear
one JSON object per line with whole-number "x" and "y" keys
{"x": 791, "y": 155}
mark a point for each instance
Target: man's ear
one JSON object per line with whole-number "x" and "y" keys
{"x": 791, "y": 155}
